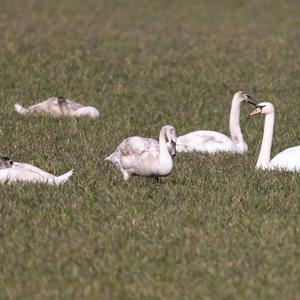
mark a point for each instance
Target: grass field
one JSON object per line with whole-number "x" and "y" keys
{"x": 216, "y": 228}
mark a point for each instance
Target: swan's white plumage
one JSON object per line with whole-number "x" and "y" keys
{"x": 212, "y": 141}
{"x": 287, "y": 160}
{"x": 22, "y": 172}
{"x": 57, "y": 107}
{"x": 145, "y": 156}
{"x": 205, "y": 141}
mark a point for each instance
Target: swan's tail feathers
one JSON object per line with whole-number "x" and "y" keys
{"x": 63, "y": 178}
{"x": 111, "y": 158}
{"x": 114, "y": 159}
{"x": 20, "y": 109}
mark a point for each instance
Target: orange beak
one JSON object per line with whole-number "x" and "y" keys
{"x": 256, "y": 112}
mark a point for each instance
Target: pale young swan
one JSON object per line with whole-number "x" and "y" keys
{"x": 11, "y": 171}
{"x": 287, "y": 160}
{"x": 212, "y": 141}
{"x": 58, "y": 107}
{"x": 145, "y": 156}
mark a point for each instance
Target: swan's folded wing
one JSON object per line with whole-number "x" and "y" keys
{"x": 203, "y": 137}
{"x": 138, "y": 145}
{"x": 288, "y": 159}
{"x": 54, "y": 107}
{"x": 43, "y": 106}
{"x": 20, "y": 175}
{"x": 72, "y": 105}
{"x": 204, "y": 141}
{"x": 28, "y": 167}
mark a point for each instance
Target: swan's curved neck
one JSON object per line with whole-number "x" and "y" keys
{"x": 164, "y": 154}
{"x": 234, "y": 122}
{"x": 263, "y": 161}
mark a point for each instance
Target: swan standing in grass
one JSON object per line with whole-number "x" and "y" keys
{"x": 212, "y": 141}
{"x": 287, "y": 160}
{"x": 11, "y": 171}
{"x": 58, "y": 107}
{"x": 145, "y": 156}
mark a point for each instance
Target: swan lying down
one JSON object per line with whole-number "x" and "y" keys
{"x": 11, "y": 171}
{"x": 145, "y": 156}
{"x": 57, "y": 107}
{"x": 214, "y": 142}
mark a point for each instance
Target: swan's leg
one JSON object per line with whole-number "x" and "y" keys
{"x": 158, "y": 179}
{"x": 125, "y": 175}
{"x": 116, "y": 161}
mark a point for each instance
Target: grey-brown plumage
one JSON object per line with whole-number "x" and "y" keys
{"x": 146, "y": 156}
{"x": 57, "y": 107}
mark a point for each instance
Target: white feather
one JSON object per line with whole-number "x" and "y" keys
{"x": 23, "y": 172}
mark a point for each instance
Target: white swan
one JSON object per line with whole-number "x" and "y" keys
{"x": 145, "y": 156}
{"x": 289, "y": 159}
{"x": 212, "y": 141}
{"x": 57, "y": 107}
{"x": 11, "y": 171}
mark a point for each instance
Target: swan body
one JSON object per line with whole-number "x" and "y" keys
{"x": 23, "y": 172}
{"x": 287, "y": 160}
{"x": 146, "y": 156}
{"x": 207, "y": 141}
{"x": 212, "y": 141}
{"x": 57, "y": 107}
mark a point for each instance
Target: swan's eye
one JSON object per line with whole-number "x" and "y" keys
{"x": 260, "y": 106}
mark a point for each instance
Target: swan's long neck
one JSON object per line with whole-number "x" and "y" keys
{"x": 164, "y": 154}
{"x": 263, "y": 161}
{"x": 234, "y": 122}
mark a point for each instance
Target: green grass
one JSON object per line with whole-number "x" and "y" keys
{"x": 216, "y": 228}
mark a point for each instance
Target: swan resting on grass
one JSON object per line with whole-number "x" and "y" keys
{"x": 212, "y": 141}
{"x": 145, "y": 156}
{"x": 287, "y": 160}
{"x": 11, "y": 171}
{"x": 57, "y": 107}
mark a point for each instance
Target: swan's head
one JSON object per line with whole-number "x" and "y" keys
{"x": 5, "y": 162}
{"x": 243, "y": 97}
{"x": 263, "y": 108}
{"x": 87, "y": 111}
{"x": 171, "y": 138}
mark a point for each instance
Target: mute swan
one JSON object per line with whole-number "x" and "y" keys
{"x": 11, "y": 171}
{"x": 289, "y": 159}
{"x": 57, "y": 107}
{"x": 212, "y": 141}
{"x": 145, "y": 156}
